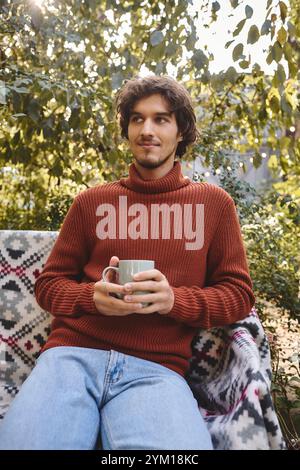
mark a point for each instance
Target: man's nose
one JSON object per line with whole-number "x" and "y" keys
{"x": 147, "y": 127}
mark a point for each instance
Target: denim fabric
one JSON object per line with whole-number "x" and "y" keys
{"x": 76, "y": 397}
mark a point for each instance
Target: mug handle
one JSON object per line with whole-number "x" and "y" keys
{"x": 119, "y": 296}
{"x": 105, "y": 270}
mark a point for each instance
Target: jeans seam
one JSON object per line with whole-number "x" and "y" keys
{"x": 106, "y": 380}
{"x": 108, "y": 430}
{"x": 95, "y": 437}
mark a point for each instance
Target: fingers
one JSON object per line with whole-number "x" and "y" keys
{"x": 149, "y": 274}
{"x": 114, "y": 261}
{"x": 149, "y": 298}
{"x": 153, "y": 308}
{"x": 109, "y": 287}
{"x": 152, "y": 286}
{"x": 109, "y": 305}
{"x": 107, "y": 294}
{"x": 119, "y": 306}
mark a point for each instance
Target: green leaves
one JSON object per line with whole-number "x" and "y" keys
{"x": 257, "y": 159}
{"x": 74, "y": 121}
{"x": 280, "y": 74}
{"x": 215, "y": 6}
{"x": 57, "y": 169}
{"x": 276, "y": 51}
{"x": 237, "y": 52}
{"x": 19, "y": 89}
{"x": 157, "y": 41}
{"x": 248, "y": 11}
{"x": 266, "y": 27}
{"x": 244, "y": 64}
{"x": 191, "y": 41}
{"x": 158, "y": 52}
{"x": 253, "y": 35}
{"x": 156, "y": 38}
{"x": 33, "y": 110}
{"x": 231, "y": 75}
{"x": 283, "y": 11}
{"x": 282, "y": 36}
{"x": 239, "y": 28}
{"x": 228, "y": 44}
{"x": 274, "y": 99}
{"x": 200, "y": 60}
{"x": 272, "y": 162}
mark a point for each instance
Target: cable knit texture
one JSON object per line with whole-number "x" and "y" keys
{"x": 211, "y": 284}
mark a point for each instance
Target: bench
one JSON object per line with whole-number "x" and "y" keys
{"x": 230, "y": 367}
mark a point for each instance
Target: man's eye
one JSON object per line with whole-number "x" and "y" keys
{"x": 158, "y": 119}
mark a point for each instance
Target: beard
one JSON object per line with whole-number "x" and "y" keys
{"x": 151, "y": 165}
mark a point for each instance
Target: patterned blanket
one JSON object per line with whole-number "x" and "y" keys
{"x": 230, "y": 376}
{"x": 230, "y": 371}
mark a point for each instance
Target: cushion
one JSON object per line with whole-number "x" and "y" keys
{"x": 24, "y": 325}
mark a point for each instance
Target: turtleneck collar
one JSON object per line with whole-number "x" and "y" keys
{"x": 170, "y": 182}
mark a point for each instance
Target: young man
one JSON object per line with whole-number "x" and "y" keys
{"x": 112, "y": 367}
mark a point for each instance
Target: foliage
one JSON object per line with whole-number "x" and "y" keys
{"x": 270, "y": 223}
{"x": 37, "y": 208}
{"x": 272, "y": 238}
{"x": 286, "y": 396}
{"x": 286, "y": 375}
{"x": 62, "y": 63}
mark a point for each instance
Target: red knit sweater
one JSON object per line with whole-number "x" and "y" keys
{"x": 211, "y": 284}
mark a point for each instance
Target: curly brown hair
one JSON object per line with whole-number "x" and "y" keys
{"x": 174, "y": 93}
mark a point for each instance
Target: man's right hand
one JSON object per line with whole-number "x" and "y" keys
{"x": 105, "y": 303}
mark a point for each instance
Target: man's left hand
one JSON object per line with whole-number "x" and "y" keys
{"x": 161, "y": 298}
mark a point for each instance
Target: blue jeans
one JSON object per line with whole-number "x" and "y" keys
{"x": 75, "y": 396}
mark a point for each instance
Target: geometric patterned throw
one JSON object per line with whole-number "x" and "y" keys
{"x": 24, "y": 326}
{"x": 230, "y": 376}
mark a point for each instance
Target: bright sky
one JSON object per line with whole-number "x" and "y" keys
{"x": 215, "y": 36}
{"x": 220, "y": 32}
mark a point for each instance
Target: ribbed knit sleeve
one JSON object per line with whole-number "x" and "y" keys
{"x": 227, "y": 296}
{"x": 58, "y": 289}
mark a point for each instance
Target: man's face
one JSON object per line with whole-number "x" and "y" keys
{"x": 147, "y": 125}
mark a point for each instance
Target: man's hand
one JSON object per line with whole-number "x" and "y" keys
{"x": 161, "y": 296}
{"x": 106, "y": 303}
